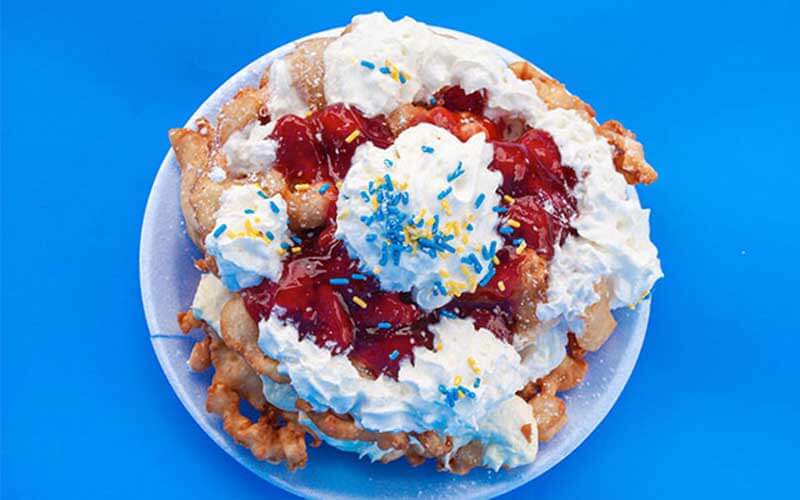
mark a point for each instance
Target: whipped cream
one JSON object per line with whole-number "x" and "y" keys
{"x": 283, "y": 96}
{"x": 250, "y": 150}
{"x": 419, "y": 213}
{"x": 379, "y": 65}
{"x": 209, "y": 299}
{"x": 247, "y": 236}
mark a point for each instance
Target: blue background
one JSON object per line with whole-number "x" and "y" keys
{"x": 89, "y": 90}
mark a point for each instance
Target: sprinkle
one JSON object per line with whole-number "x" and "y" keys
{"x": 281, "y": 252}
{"x": 460, "y": 394}
{"x": 443, "y": 273}
{"x": 479, "y": 200}
{"x": 486, "y": 279}
{"x": 513, "y": 223}
{"x": 442, "y": 389}
{"x": 394, "y": 355}
{"x": 270, "y": 235}
{"x": 501, "y": 286}
{"x": 302, "y": 187}
{"x": 359, "y": 277}
{"x": 433, "y": 101}
{"x": 517, "y": 241}
{"x": 296, "y": 249}
{"x": 499, "y": 209}
{"x": 221, "y": 229}
{"x": 439, "y": 347}
{"x": 364, "y": 196}
{"x": 285, "y": 245}
{"x": 249, "y": 211}
{"x": 376, "y": 270}
{"x": 385, "y": 70}
{"x": 442, "y": 195}
{"x": 496, "y": 260}
{"x": 508, "y": 199}
{"x": 427, "y": 149}
{"x": 521, "y": 247}
{"x": 477, "y": 383}
{"x": 455, "y": 174}
{"x": 371, "y": 237}
{"x": 273, "y": 206}
{"x": 353, "y": 136}
{"x": 339, "y": 281}
{"x": 457, "y": 380}
{"x": 506, "y": 230}
{"x": 402, "y": 77}
{"x": 344, "y": 213}
{"x": 297, "y": 240}
{"x": 368, "y": 64}
{"x": 359, "y": 302}
{"x": 388, "y": 182}
{"x": 261, "y": 194}
{"x": 448, "y": 314}
{"x": 440, "y": 287}
{"x": 473, "y": 365}
{"x": 324, "y": 188}
{"x": 389, "y": 163}
{"x": 384, "y": 325}
{"x": 446, "y": 207}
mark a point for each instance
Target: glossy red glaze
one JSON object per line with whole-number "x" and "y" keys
{"x": 377, "y": 338}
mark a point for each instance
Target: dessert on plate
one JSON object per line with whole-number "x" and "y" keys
{"x": 408, "y": 247}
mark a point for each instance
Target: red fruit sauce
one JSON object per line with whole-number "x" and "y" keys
{"x": 379, "y": 336}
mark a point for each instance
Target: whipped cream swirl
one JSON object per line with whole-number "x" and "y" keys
{"x": 248, "y": 236}
{"x": 419, "y": 214}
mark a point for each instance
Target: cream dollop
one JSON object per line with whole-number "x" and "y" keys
{"x": 431, "y": 234}
{"x": 210, "y": 297}
{"x": 246, "y": 241}
{"x": 283, "y": 96}
{"x": 250, "y": 150}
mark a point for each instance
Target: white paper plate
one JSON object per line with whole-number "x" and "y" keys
{"x": 168, "y": 281}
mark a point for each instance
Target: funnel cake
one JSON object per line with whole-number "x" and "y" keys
{"x": 409, "y": 246}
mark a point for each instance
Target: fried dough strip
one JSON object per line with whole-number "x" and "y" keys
{"x": 307, "y": 71}
{"x": 268, "y": 439}
{"x": 240, "y": 333}
{"x": 235, "y": 114}
{"x": 628, "y": 152}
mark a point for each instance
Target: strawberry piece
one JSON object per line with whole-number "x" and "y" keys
{"x": 298, "y": 157}
{"x": 454, "y": 98}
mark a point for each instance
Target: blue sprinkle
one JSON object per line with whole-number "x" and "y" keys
{"x": 470, "y": 227}
{"x": 440, "y": 287}
{"x": 324, "y": 188}
{"x": 388, "y": 184}
{"x": 447, "y": 247}
{"x": 338, "y": 281}
{"x": 401, "y": 77}
{"x": 458, "y": 172}
{"x": 499, "y": 209}
{"x": 486, "y": 253}
{"x": 394, "y": 355}
{"x": 274, "y": 207}
{"x": 270, "y": 235}
{"x": 365, "y": 196}
{"x": 517, "y": 241}
{"x": 448, "y": 314}
{"x": 506, "y": 230}
{"x": 285, "y": 245}
{"x": 489, "y": 275}
{"x": 435, "y": 226}
{"x": 389, "y": 163}
{"x": 261, "y": 194}
{"x": 442, "y": 389}
{"x": 427, "y": 149}
{"x": 221, "y": 229}
{"x": 368, "y": 64}
{"x": 477, "y": 383}
{"x": 371, "y": 237}
{"x": 297, "y": 240}
{"x": 384, "y": 254}
{"x": 249, "y": 211}
{"x": 444, "y": 193}
{"x": 385, "y": 70}
{"x": 493, "y": 248}
{"x": 359, "y": 277}
{"x": 384, "y": 325}
{"x": 433, "y": 101}
{"x": 479, "y": 200}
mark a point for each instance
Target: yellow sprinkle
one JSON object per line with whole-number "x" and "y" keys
{"x": 446, "y": 207}
{"x": 460, "y": 250}
{"x": 403, "y": 186}
{"x": 344, "y": 213}
{"x": 457, "y": 380}
{"x": 249, "y": 229}
{"x": 456, "y": 228}
{"x": 473, "y": 283}
{"x": 513, "y": 223}
{"x": 465, "y": 239}
{"x": 302, "y": 187}
{"x": 360, "y": 302}
{"x": 338, "y": 184}
{"x": 521, "y": 248}
{"x": 460, "y": 394}
{"x": 439, "y": 346}
{"x": 374, "y": 203}
{"x": 443, "y": 273}
{"x": 495, "y": 260}
{"x": 508, "y": 199}
{"x": 309, "y": 114}
{"x": 231, "y": 234}
{"x": 376, "y": 270}
{"x": 353, "y": 136}
{"x": 501, "y": 286}
{"x": 257, "y": 219}
{"x": 281, "y": 252}
{"x": 466, "y": 270}
{"x": 296, "y": 249}
{"x": 473, "y": 365}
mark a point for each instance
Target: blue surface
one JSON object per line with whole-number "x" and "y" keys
{"x": 88, "y": 91}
